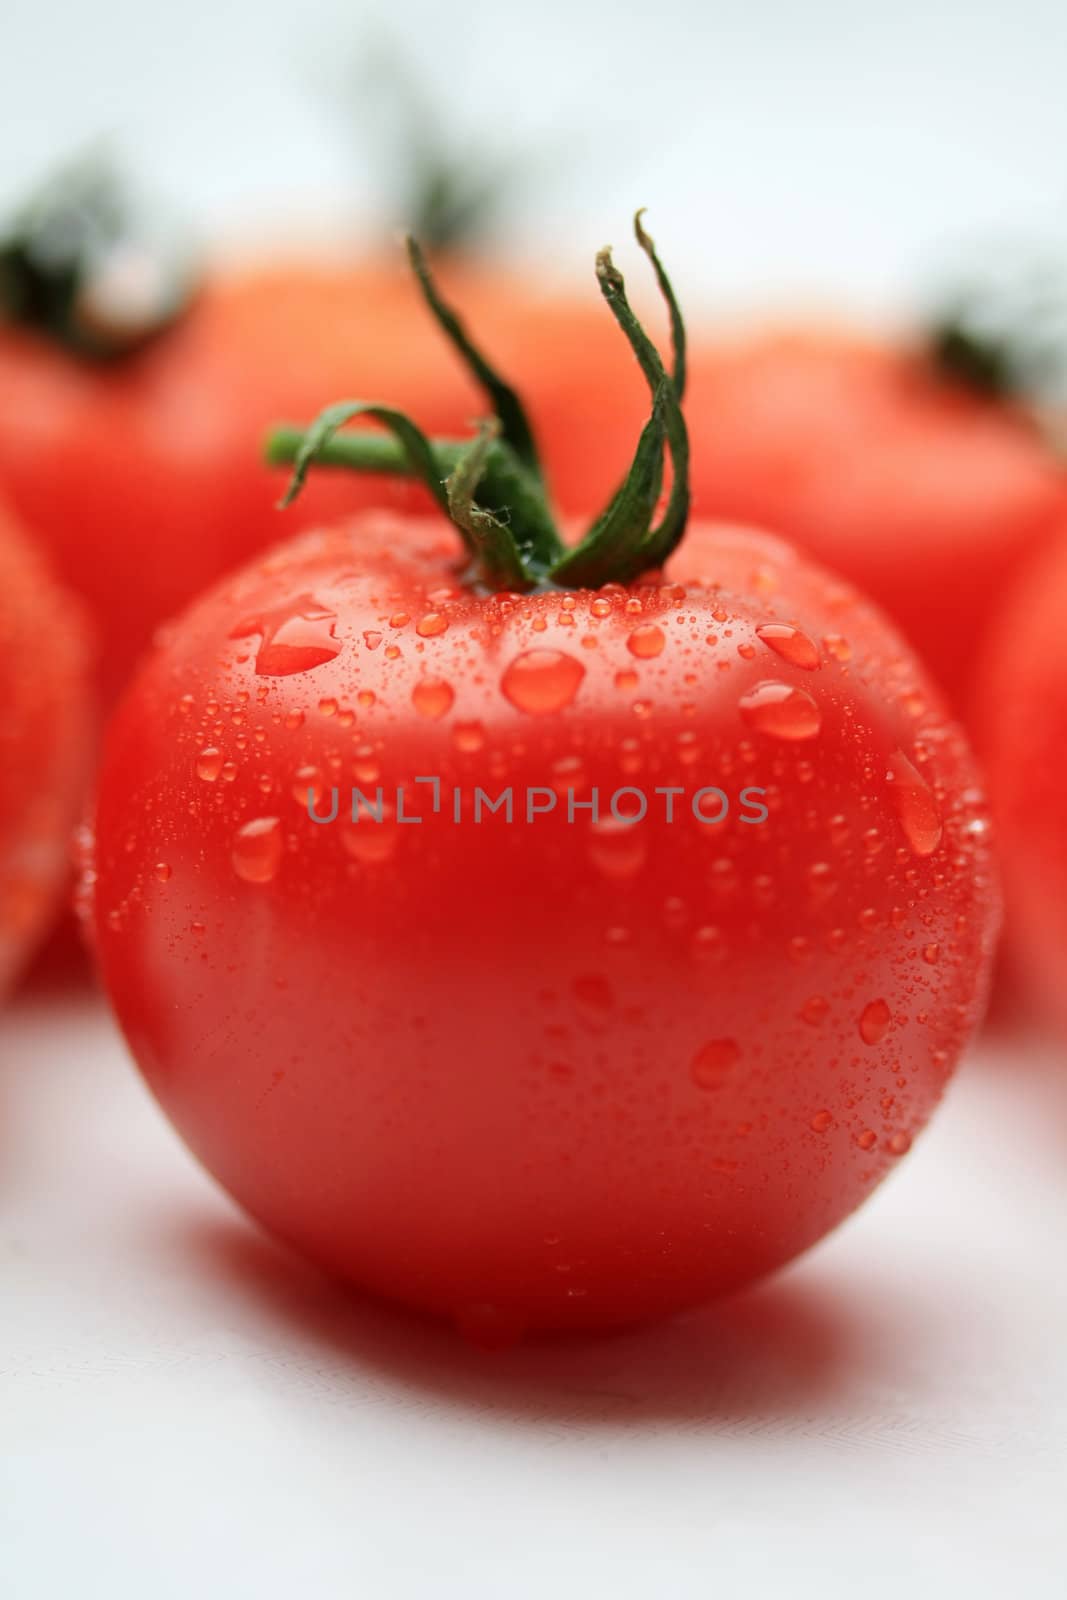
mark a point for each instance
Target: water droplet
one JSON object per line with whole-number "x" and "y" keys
{"x": 328, "y": 707}
{"x": 595, "y": 993}
{"x": 899, "y": 1144}
{"x": 372, "y": 638}
{"x": 432, "y": 697}
{"x": 781, "y": 711}
{"x": 626, "y": 680}
{"x": 369, "y": 841}
{"x": 646, "y": 641}
{"x": 468, "y": 736}
{"x": 791, "y": 643}
{"x": 305, "y": 779}
{"x": 822, "y": 1121}
{"x": 915, "y": 804}
{"x": 542, "y": 681}
{"x": 931, "y": 954}
{"x": 162, "y": 871}
{"x": 209, "y": 764}
{"x": 601, "y": 607}
{"x": 257, "y": 850}
{"x": 815, "y": 1010}
{"x": 874, "y": 1021}
{"x": 713, "y": 1062}
{"x": 294, "y": 637}
{"x": 617, "y": 848}
{"x": 867, "y": 1139}
{"x": 429, "y": 626}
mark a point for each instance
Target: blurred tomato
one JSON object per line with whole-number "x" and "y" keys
{"x": 143, "y": 474}
{"x": 45, "y": 734}
{"x": 925, "y": 493}
{"x": 1023, "y": 732}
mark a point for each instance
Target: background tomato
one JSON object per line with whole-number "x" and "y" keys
{"x": 45, "y": 733}
{"x": 143, "y": 475}
{"x": 1023, "y": 736}
{"x": 926, "y": 494}
{"x": 556, "y": 1074}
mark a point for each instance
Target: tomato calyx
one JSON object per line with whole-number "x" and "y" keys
{"x": 493, "y": 488}
{"x": 1004, "y": 336}
{"x": 81, "y": 267}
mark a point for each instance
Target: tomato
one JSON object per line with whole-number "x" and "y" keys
{"x": 924, "y": 492}
{"x": 564, "y": 1067}
{"x": 1023, "y": 698}
{"x": 140, "y": 467}
{"x": 44, "y": 734}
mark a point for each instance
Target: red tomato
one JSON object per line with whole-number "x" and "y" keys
{"x": 543, "y": 956}
{"x": 144, "y": 477}
{"x": 924, "y": 493}
{"x": 44, "y": 736}
{"x": 544, "y": 1074}
{"x": 1023, "y": 697}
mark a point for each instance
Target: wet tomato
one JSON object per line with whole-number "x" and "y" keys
{"x": 44, "y": 740}
{"x": 543, "y": 953}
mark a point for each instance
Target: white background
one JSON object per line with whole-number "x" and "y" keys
{"x": 184, "y": 1410}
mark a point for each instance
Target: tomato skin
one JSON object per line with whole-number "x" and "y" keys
{"x": 927, "y": 496}
{"x": 1022, "y": 738}
{"x": 540, "y": 1076}
{"x": 144, "y": 477}
{"x": 45, "y": 730}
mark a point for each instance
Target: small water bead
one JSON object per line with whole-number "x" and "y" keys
{"x": 432, "y": 624}
{"x": 791, "y": 643}
{"x": 162, "y": 871}
{"x": 257, "y": 850}
{"x": 915, "y": 805}
{"x": 307, "y": 786}
{"x": 899, "y": 1144}
{"x": 646, "y": 642}
{"x": 618, "y": 849}
{"x": 209, "y": 764}
{"x": 433, "y": 698}
{"x": 781, "y": 711}
{"x": 295, "y": 637}
{"x": 601, "y": 607}
{"x": 399, "y": 619}
{"x": 822, "y": 1122}
{"x": 468, "y": 736}
{"x": 372, "y": 638}
{"x": 711, "y": 1066}
{"x": 228, "y": 771}
{"x": 874, "y": 1021}
{"x": 369, "y": 841}
{"x": 867, "y": 1139}
{"x": 328, "y": 707}
{"x": 627, "y": 680}
{"x": 541, "y": 682}
{"x": 931, "y": 954}
{"x": 815, "y": 1010}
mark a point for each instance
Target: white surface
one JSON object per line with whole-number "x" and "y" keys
{"x": 186, "y": 1410}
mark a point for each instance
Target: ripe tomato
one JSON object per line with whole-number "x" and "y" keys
{"x": 44, "y": 736}
{"x": 558, "y": 1068}
{"x": 1023, "y": 695}
{"x": 925, "y": 493}
{"x": 139, "y": 463}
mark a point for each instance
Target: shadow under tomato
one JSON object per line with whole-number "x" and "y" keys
{"x": 777, "y": 1352}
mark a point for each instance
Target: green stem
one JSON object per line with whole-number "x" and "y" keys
{"x": 493, "y": 489}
